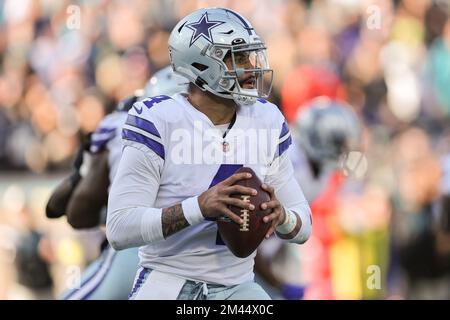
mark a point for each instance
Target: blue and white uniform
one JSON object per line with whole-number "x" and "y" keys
{"x": 111, "y": 275}
{"x": 173, "y": 152}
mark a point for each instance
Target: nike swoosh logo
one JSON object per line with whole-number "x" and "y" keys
{"x": 138, "y": 110}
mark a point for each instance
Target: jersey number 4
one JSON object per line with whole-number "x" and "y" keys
{"x": 149, "y": 102}
{"x": 224, "y": 172}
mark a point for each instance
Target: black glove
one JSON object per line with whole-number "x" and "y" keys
{"x": 128, "y": 102}
{"x": 84, "y": 146}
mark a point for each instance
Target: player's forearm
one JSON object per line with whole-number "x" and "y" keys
{"x": 297, "y": 225}
{"x": 90, "y": 195}
{"x": 135, "y": 227}
{"x": 132, "y": 219}
{"x": 173, "y": 220}
{"x": 57, "y": 204}
{"x": 84, "y": 211}
{"x": 297, "y": 228}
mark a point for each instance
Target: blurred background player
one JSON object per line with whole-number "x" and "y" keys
{"x": 82, "y": 196}
{"x": 324, "y": 132}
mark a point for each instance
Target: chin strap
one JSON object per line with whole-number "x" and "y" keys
{"x": 244, "y": 99}
{"x": 238, "y": 97}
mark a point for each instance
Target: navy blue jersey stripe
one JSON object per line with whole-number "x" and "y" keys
{"x": 143, "y": 124}
{"x": 86, "y": 296}
{"x": 99, "y": 143}
{"x": 157, "y": 147}
{"x": 104, "y": 130}
{"x": 139, "y": 281}
{"x": 262, "y": 100}
{"x": 284, "y": 130}
{"x": 283, "y": 146}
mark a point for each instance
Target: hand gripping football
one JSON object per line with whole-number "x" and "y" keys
{"x": 243, "y": 239}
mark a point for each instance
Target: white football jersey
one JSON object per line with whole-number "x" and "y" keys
{"x": 108, "y": 136}
{"x": 192, "y": 157}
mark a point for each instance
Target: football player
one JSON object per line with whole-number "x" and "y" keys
{"x": 83, "y": 198}
{"x": 110, "y": 276}
{"x": 177, "y": 171}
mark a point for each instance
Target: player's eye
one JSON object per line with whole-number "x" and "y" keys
{"x": 242, "y": 57}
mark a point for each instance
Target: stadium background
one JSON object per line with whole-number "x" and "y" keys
{"x": 64, "y": 64}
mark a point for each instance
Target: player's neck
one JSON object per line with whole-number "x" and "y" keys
{"x": 218, "y": 110}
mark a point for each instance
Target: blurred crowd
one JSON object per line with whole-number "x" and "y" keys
{"x": 65, "y": 64}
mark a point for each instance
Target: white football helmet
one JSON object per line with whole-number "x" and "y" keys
{"x": 201, "y": 41}
{"x": 326, "y": 130}
{"x": 165, "y": 82}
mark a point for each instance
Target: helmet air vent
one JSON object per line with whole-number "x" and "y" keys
{"x": 199, "y": 66}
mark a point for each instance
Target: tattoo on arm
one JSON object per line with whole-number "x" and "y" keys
{"x": 173, "y": 220}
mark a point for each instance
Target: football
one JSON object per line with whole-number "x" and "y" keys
{"x": 243, "y": 240}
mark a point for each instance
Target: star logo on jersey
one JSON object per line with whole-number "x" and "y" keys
{"x": 202, "y": 28}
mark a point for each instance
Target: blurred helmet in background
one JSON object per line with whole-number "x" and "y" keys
{"x": 165, "y": 82}
{"x": 201, "y": 41}
{"x": 327, "y": 129}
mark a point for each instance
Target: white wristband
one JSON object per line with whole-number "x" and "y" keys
{"x": 191, "y": 210}
{"x": 289, "y": 223}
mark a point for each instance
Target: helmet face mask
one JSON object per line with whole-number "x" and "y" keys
{"x": 218, "y": 50}
{"x": 247, "y": 65}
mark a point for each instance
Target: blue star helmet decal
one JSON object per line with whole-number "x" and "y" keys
{"x": 202, "y": 28}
